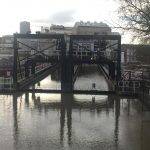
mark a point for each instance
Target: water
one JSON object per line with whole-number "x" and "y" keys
{"x": 73, "y": 122}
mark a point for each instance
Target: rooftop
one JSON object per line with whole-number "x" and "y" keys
{"x": 88, "y": 23}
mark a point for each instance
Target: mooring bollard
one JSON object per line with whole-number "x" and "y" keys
{"x": 93, "y": 99}
{"x": 38, "y": 84}
{"x": 93, "y": 88}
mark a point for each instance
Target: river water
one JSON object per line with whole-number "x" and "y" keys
{"x": 73, "y": 122}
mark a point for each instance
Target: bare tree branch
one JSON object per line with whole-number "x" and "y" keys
{"x": 135, "y": 17}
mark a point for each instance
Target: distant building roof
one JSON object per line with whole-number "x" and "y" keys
{"x": 58, "y": 27}
{"x": 88, "y": 23}
{"x": 80, "y": 28}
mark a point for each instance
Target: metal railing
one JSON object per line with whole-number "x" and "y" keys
{"x": 130, "y": 86}
{"x": 94, "y": 54}
{"x": 6, "y": 83}
{"x": 21, "y": 76}
{"x": 147, "y": 87}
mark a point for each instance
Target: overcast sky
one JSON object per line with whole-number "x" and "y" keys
{"x": 47, "y": 12}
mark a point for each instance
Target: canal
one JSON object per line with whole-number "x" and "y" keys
{"x": 73, "y": 122}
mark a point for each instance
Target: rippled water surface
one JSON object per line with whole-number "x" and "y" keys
{"x": 73, "y": 122}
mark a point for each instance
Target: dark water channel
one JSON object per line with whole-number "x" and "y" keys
{"x": 73, "y": 122}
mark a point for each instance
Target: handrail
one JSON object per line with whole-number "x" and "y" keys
{"x": 130, "y": 86}
{"x": 147, "y": 86}
{"x": 8, "y": 83}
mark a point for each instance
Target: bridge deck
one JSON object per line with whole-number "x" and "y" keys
{"x": 88, "y": 92}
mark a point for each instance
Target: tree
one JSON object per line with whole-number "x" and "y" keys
{"x": 135, "y": 17}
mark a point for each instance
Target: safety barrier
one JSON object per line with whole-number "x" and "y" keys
{"x": 147, "y": 87}
{"x": 94, "y": 54}
{"x": 38, "y": 68}
{"x": 6, "y": 83}
{"x": 80, "y": 54}
{"x": 130, "y": 86}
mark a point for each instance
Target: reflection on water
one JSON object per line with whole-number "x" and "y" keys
{"x": 73, "y": 122}
{"x": 88, "y": 75}
{"x": 47, "y": 121}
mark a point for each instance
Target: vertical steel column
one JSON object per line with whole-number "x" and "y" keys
{"x": 63, "y": 66}
{"x": 63, "y": 58}
{"x": 66, "y": 70}
{"x": 112, "y": 70}
{"x": 26, "y": 71}
{"x": 33, "y": 68}
{"x": 71, "y": 65}
{"x": 119, "y": 59}
{"x": 15, "y": 84}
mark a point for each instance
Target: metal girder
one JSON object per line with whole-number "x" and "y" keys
{"x": 91, "y": 62}
{"x": 88, "y": 92}
{"x": 73, "y": 39}
{"x": 95, "y": 37}
{"x": 17, "y": 61}
{"x": 37, "y": 51}
{"x": 40, "y": 36}
{"x": 82, "y": 38}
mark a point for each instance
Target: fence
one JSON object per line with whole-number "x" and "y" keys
{"x": 147, "y": 87}
{"x": 6, "y": 83}
{"x": 130, "y": 86}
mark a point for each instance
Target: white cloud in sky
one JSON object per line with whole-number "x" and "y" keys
{"x": 47, "y": 12}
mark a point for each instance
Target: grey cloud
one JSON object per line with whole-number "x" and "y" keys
{"x": 61, "y": 17}
{"x": 41, "y": 20}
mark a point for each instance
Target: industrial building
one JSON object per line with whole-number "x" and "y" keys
{"x": 80, "y": 28}
{"x": 89, "y": 28}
